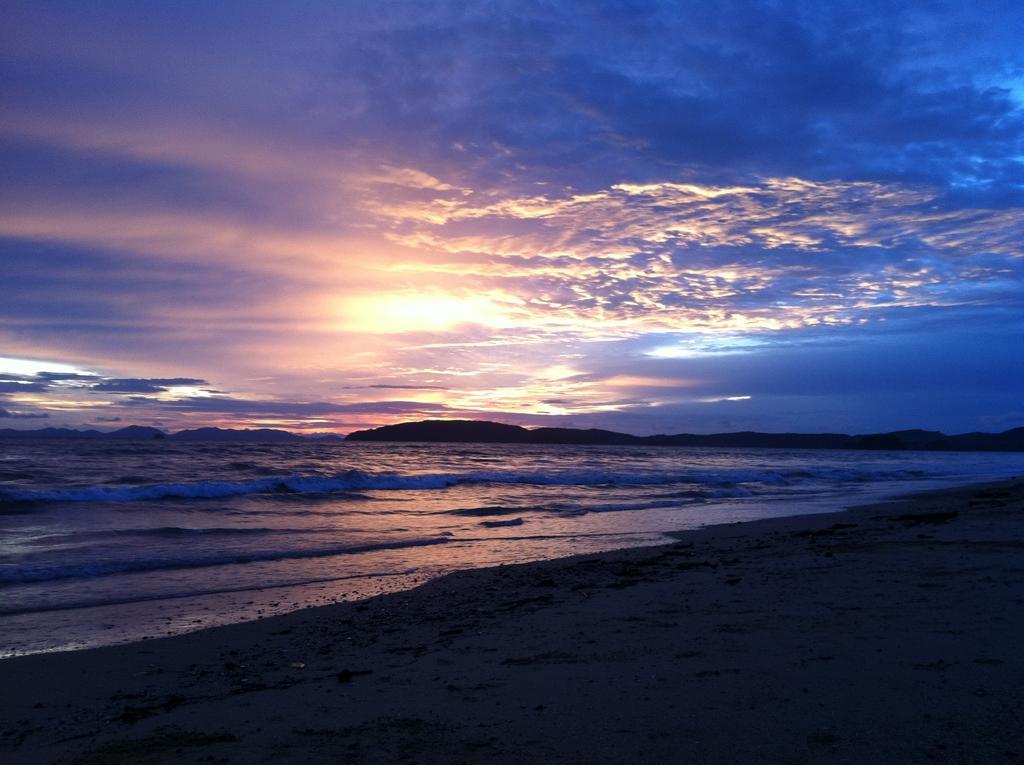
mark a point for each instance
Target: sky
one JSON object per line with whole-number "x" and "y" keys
{"x": 653, "y": 217}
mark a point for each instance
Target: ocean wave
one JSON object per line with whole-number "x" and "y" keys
{"x": 655, "y": 504}
{"x": 357, "y": 480}
{"x": 487, "y": 510}
{"x": 17, "y": 573}
{"x": 656, "y": 501}
{"x": 174, "y": 532}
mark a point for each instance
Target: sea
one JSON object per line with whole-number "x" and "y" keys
{"x": 105, "y": 542}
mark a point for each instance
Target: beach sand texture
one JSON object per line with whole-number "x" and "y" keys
{"x": 891, "y": 633}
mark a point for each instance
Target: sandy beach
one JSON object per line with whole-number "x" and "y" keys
{"x": 889, "y": 633}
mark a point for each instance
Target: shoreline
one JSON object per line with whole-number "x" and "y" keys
{"x": 129, "y": 619}
{"x": 688, "y": 648}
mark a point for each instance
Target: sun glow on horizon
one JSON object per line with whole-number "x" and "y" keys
{"x": 412, "y": 311}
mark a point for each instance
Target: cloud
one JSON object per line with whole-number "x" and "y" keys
{"x": 774, "y": 253}
{"x": 409, "y": 387}
{"x": 21, "y": 384}
{"x": 72, "y": 381}
{"x": 64, "y": 376}
{"x": 246, "y": 407}
{"x": 7, "y": 414}
{"x": 597, "y": 94}
{"x": 150, "y": 385}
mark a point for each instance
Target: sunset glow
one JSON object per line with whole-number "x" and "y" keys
{"x": 639, "y": 218}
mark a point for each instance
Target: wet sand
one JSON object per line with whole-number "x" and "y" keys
{"x": 890, "y": 633}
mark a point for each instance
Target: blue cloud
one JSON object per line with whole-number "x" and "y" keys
{"x": 149, "y": 385}
{"x": 7, "y": 414}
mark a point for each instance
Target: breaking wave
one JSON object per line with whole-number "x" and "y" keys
{"x": 357, "y": 480}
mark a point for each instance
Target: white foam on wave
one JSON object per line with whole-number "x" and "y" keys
{"x": 357, "y": 480}
{"x": 170, "y": 532}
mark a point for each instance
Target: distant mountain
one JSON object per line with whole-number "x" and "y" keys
{"x": 46, "y": 433}
{"x": 1007, "y": 441}
{"x": 574, "y": 436}
{"x": 136, "y": 433}
{"x": 482, "y": 431}
{"x": 469, "y": 431}
{"x": 748, "y": 439}
{"x": 324, "y": 437}
{"x": 262, "y": 435}
{"x": 144, "y": 433}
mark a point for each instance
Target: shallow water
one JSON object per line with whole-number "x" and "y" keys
{"x": 107, "y": 542}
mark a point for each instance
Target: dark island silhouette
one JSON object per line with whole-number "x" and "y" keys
{"x": 482, "y": 431}
{"x": 486, "y": 432}
{"x": 146, "y": 433}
